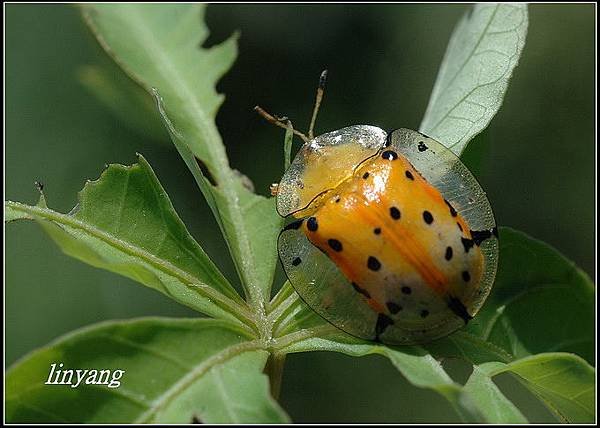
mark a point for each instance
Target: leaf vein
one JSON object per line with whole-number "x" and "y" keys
{"x": 198, "y": 371}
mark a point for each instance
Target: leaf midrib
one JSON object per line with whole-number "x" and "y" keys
{"x": 534, "y": 386}
{"x": 469, "y": 56}
{"x": 217, "y": 153}
{"x": 197, "y": 372}
{"x": 238, "y": 311}
{"x": 550, "y": 404}
{"x": 231, "y": 293}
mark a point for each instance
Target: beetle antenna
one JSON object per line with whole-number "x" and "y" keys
{"x": 279, "y": 121}
{"x": 284, "y": 122}
{"x": 318, "y": 99}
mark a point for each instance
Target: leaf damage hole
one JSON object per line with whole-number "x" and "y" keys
{"x": 205, "y": 172}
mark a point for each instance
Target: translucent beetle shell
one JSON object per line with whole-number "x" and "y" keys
{"x": 392, "y": 237}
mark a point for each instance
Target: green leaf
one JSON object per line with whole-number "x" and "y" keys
{"x": 175, "y": 371}
{"x": 159, "y": 45}
{"x": 473, "y": 78}
{"x": 124, "y": 222}
{"x": 124, "y": 98}
{"x": 564, "y": 382}
{"x": 541, "y": 303}
{"x": 259, "y": 218}
{"x": 415, "y": 364}
{"x": 498, "y": 409}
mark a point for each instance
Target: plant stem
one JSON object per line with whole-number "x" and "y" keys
{"x": 274, "y": 369}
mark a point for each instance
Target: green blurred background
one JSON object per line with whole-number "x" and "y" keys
{"x": 538, "y": 169}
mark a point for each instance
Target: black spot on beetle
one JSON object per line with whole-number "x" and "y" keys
{"x": 312, "y": 224}
{"x": 422, "y": 146}
{"x": 467, "y": 243}
{"x": 383, "y": 322}
{"x": 409, "y": 175}
{"x": 295, "y": 225}
{"x": 361, "y": 290}
{"x": 377, "y": 230}
{"x": 296, "y": 261}
{"x": 373, "y": 263}
{"x": 466, "y": 276}
{"x": 335, "y": 245}
{"x": 406, "y": 290}
{"x": 389, "y": 155}
{"x": 366, "y": 175}
{"x": 479, "y": 236}
{"x": 395, "y": 213}
{"x": 452, "y": 210}
{"x": 459, "y": 308}
{"x": 393, "y": 307}
{"x": 427, "y": 217}
{"x": 448, "y": 255}
{"x": 424, "y": 313}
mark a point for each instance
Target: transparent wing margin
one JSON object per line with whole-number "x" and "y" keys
{"x": 323, "y": 287}
{"x": 445, "y": 171}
